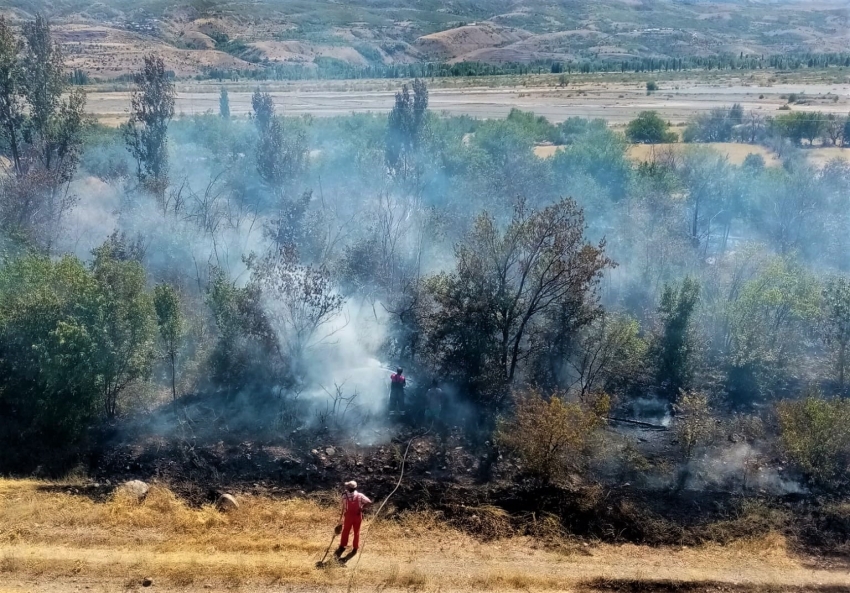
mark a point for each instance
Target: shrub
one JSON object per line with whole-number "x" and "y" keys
{"x": 815, "y": 437}
{"x": 649, "y": 128}
{"x": 651, "y": 86}
{"x": 551, "y": 436}
{"x": 694, "y": 425}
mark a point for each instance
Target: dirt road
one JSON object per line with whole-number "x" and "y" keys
{"x": 617, "y": 102}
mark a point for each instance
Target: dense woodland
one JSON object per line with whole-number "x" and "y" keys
{"x": 245, "y": 260}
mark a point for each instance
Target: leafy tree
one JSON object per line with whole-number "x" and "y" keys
{"x": 836, "y": 325}
{"x": 550, "y": 435}
{"x": 610, "y": 357}
{"x": 845, "y": 136}
{"x": 49, "y": 318}
{"x": 538, "y": 126}
{"x": 44, "y": 132}
{"x": 694, "y": 424}
{"x": 754, "y": 162}
{"x": 170, "y": 320}
{"x": 127, "y": 324}
{"x": 718, "y": 125}
{"x": 815, "y": 437}
{"x": 12, "y": 112}
{"x": 706, "y": 177}
{"x": 224, "y": 104}
{"x": 281, "y": 156}
{"x": 833, "y": 129}
{"x": 649, "y": 128}
{"x": 301, "y": 303}
{"x": 674, "y": 346}
{"x": 405, "y": 131}
{"x": 146, "y": 133}
{"x": 597, "y": 152}
{"x": 503, "y": 165}
{"x": 506, "y": 280}
{"x": 768, "y": 314}
{"x": 247, "y": 355}
{"x": 800, "y": 125}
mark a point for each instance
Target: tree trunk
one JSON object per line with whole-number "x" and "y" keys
{"x": 173, "y": 376}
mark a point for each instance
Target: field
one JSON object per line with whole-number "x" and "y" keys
{"x": 615, "y": 98}
{"x": 60, "y": 538}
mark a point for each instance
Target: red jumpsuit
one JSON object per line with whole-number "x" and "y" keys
{"x": 352, "y": 504}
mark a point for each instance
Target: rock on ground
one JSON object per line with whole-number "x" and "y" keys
{"x": 135, "y": 489}
{"x": 226, "y": 503}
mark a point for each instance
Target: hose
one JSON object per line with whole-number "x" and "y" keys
{"x": 383, "y": 504}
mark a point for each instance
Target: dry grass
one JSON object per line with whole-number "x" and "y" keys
{"x": 51, "y": 535}
{"x": 734, "y": 151}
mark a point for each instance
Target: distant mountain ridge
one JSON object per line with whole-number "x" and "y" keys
{"x": 108, "y": 38}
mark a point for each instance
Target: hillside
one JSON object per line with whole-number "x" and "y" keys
{"x": 108, "y": 38}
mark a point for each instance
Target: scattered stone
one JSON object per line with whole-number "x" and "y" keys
{"x": 147, "y": 582}
{"x": 226, "y": 503}
{"x": 330, "y": 451}
{"x": 135, "y": 489}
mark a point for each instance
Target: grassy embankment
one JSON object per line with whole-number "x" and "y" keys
{"x": 52, "y": 533}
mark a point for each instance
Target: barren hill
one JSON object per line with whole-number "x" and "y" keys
{"x": 105, "y": 38}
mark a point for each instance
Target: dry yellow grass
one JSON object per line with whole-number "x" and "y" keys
{"x": 50, "y": 536}
{"x": 734, "y": 151}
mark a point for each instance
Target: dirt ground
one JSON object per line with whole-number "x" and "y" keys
{"x": 53, "y": 539}
{"x": 617, "y": 100}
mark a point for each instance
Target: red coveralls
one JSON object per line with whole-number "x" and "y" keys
{"x": 352, "y": 504}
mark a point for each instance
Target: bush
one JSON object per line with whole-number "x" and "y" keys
{"x": 694, "y": 424}
{"x": 651, "y": 86}
{"x": 815, "y": 438}
{"x": 649, "y": 128}
{"x": 551, "y": 436}
{"x": 48, "y": 318}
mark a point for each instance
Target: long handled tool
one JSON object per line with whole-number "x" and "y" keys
{"x": 380, "y": 508}
{"x": 337, "y": 530}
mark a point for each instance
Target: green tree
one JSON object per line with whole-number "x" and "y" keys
{"x": 405, "y": 131}
{"x": 170, "y": 319}
{"x": 508, "y": 278}
{"x": 800, "y": 125}
{"x": 815, "y": 436}
{"x": 694, "y": 425}
{"x": 127, "y": 323}
{"x": 146, "y": 132}
{"x": 11, "y": 93}
{"x": 44, "y": 131}
{"x": 281, "y": 154}
{"x": 674, "y": 345}
{"x": 768, "y": 317}
{"x": 247, "y": 355}
{"x": 845, "y": 135}
{"x": 49, "y": 316}
{"x": 610, "y": 357}
{"x": 649, "y": 128}
{"x": 836, "y": 325}
{"x": 224, "y": 104}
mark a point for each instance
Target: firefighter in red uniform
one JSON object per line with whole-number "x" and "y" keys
{"x": 353, "y": 503}
{"x": 397, "y": 385}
